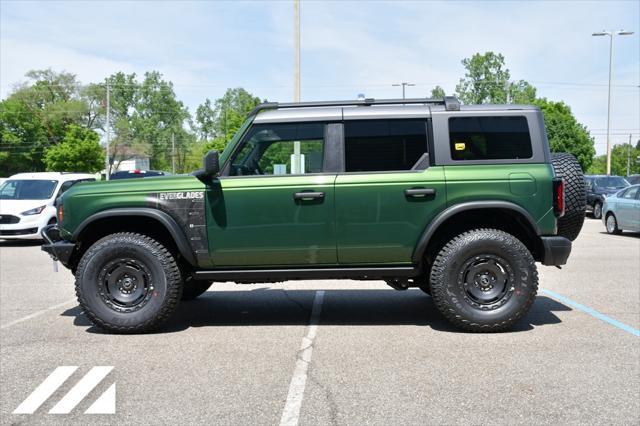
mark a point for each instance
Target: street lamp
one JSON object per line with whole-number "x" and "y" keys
{"x": 610, "y": 34}
{"x": 403, "y": 84}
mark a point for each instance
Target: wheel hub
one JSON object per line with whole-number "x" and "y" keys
{"x": 485, "y": 279}
{"x": 125, "y": 285}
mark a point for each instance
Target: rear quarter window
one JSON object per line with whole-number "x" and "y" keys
{"x": 489, "y": 138}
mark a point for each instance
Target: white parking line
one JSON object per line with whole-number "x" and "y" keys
{"x": 36, "y": 314}
{"x": 291, "y": 412}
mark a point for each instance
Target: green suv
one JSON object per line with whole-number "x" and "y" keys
{"x": 460, "y": 201}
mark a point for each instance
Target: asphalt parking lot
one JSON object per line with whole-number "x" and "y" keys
{"x": 336, "y": 352}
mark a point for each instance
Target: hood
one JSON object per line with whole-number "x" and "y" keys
{"x": 135, "y": 185}
{"x": 16, "y": 207}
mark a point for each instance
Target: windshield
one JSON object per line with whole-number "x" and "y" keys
{"x": 27, "y": 189}
{"x": 611, "y": 182}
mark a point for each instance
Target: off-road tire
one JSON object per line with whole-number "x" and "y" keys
{"x": 611, "y": 223}
{"x": 451, "y": 295}
{"x": 162, "y": 281}
{"x": 575, "y": 194}
{"x": 194, "y": 288}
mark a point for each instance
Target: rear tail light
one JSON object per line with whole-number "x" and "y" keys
{"x": 558, "y": 197}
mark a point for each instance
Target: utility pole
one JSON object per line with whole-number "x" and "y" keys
{"x": 173, "y": 153}
{"x": 629, "y": 156}
{"x": 296, "y": 42}
{"x": 404, "y": 84}
{"x": 296, "y": 160}
{"x": 611, "y": 34}
{"x": 507, "y": 90}
{"x": 107, "y": 163}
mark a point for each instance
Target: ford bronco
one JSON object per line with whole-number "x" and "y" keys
{"x": 460, "y": 201}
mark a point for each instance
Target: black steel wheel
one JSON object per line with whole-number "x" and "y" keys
{"x": 484, "y": 280}
{"x": 128, "y": 283}
{"x": 125, "y": 284}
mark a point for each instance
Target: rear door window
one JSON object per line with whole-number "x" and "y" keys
{"x": 384, "y": 145}
{"x": 489, "y": 138}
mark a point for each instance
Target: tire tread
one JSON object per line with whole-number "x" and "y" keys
{"x": 169, "y": 264}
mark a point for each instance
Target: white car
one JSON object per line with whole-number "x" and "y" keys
{"x": 26, "y": 202}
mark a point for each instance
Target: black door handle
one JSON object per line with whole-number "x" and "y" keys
{"x": 419, "y": 192}
{"x": 308, "y": 196}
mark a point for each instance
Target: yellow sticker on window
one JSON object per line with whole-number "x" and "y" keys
{"x": 460, "y": 146}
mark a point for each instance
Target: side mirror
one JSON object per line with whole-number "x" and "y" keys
{"x": 210, "y": 166}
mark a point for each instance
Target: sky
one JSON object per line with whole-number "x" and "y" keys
{"x": 347, "y": 48}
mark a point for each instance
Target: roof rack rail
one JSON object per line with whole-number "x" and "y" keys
{"x": 450, "y": 103}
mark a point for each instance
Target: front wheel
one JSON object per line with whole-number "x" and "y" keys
{"x": 128, "y": 283}
{"x": 484, "y": 280}
{"x": 612, "y": 224}
{"x": 597, "y": 211}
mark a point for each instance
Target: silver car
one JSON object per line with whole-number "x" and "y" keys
{"x": 621, "y": 211}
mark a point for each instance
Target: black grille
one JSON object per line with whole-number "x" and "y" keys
{"x": 7, "y": 218}
{"x": 19, "y": 232}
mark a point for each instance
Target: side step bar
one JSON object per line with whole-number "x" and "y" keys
{"x": 306, "y": 273}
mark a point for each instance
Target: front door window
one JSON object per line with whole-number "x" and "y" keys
{"x": 281, "y": 149}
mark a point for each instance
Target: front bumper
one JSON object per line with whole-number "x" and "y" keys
{"x": 57, "y": 248}
{"x": 556, "y": 250}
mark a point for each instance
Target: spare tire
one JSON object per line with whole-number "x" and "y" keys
{"x": 575, "y": 195}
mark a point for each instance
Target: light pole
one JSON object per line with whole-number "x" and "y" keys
{"x": 610, "y": 34}
{"x": 404, "y": 84}
{"x": 107, "y": 161}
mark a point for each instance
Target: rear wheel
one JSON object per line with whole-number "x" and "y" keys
{"x": 612, "y": 224}
{"x": 484, "y": 280}
{"x": 575, "y": 194}
{"x": 128, "y": 283}
{"x": 597, "y": 210}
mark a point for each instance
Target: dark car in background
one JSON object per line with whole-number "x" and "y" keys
{"x": 599, "y": 187}
{"x": 132, "y": 174}
{"x": 633, "y": 179}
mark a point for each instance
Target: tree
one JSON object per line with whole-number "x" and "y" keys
{"x": 487, "y": 80}
{"x": 206, "y": 120}
{"x": 158, "y": 116}
{"x": 619, "y": 156}
{"x": 36, "y": 115}
{"x": 437, "y": 92}
{"x": 79, "y": 151}
{"x": 122, "y": 100}
{"x": 565, "y": 133}
{"x": 229, "y": 112}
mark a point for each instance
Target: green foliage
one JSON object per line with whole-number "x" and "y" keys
{"x": 218, "y": 123}
{"x": 206, "y": 119}
{"x": 564, "y": 132}
{"x": 35, "y": 116}
{"x": 79, "y": 151}
{"x": 437, "y": 92}
{"x": 619, "y": 156}
{"x": 487, "y": 80}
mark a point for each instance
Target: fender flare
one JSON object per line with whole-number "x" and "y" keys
{"x": 164, "y": 218}
{"x": 449, "y": 212}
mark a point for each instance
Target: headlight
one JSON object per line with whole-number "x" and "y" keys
{"x": 31, "y": 212}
